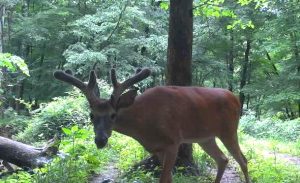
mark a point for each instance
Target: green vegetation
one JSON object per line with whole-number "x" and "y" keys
{"x": 251, "y": 47}
{"x": 62, "y": 112}
{"x": 271, "y": 127}
{"x": 81, "y": 159}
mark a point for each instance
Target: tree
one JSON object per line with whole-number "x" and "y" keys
{"x": 180, "y": 43}
{"x": 2, "y": 11}
{"x": 27, "y": 156}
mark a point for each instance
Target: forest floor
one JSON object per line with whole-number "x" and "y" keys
{"x": 108, "y": 175}
{"x": 111, "y": 175}
{"x": 231, "y": 175}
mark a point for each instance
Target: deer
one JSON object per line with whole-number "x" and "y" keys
{"x": 164, "y": 117}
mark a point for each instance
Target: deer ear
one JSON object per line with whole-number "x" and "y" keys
{"x": 126, "y": 99}
{"x": 92, "y": 84}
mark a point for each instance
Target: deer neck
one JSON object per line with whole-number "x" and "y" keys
{"x": 127, "y": 122}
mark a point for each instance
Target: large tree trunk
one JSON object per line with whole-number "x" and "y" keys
{"x": 180, "y": 43}
{"x": 26, "y": 156}
{"x": 179, "y": 73}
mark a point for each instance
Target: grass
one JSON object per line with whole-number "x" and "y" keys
{"x": 272, "y": 145}
{"x": 84, "y": 159}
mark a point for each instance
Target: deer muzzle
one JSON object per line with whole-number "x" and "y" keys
{"x": 101, "y": 141}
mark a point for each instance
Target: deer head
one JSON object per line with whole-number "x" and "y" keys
{"x": 104, "y": 111}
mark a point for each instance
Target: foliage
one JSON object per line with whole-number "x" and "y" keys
{"x": 79, "y": 160}
{"x": 12, "y": 63}
{"x": 272, "y": 128}
{"x": 12, "y": 122}
{"x": 84, "y": 35}
{"x": 61, "y": 112}
{"x": 13, "y": 70}
{"x": 269, "y": 170}
{"x": 22, "y": 177}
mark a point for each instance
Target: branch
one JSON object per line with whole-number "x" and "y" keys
{"x": 118, "y": 23}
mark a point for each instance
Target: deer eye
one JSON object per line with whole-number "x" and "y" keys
{"x": 91, "y": 116}
{"x": 113, "y": 116}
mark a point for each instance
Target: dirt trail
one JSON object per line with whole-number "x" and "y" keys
{"x": 283, "y": 157}
{"x": 108, "y": 175}
{"x": 231, "y": 175}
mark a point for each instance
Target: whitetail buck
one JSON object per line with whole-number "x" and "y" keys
{"x": 164, "y": 117}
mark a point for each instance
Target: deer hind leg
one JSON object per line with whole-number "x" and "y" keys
{"x": 211, "y": 148}
{"x": 231, "y": 143}
{"x": 168, "y": 158}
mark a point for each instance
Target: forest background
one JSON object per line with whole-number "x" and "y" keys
{"x": 249, "y": 47}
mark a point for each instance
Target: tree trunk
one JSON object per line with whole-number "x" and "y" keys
{"x": 244, "y": 74}
{"x": 179, "y": 73}
{"x": 2, "y": 11}
{"x": 26, "y": 156}
{"x": 297, "y": 58}
{"x": 230, "y": 62}
{"x": 1, "y": 51}
{"x": 180, "y": 43}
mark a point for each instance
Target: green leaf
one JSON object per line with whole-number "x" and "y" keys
{"x": 164, "y": 5}
{"x": 12, "y": 62}
{"x": 67, "y": 131}
{"x": 229, "y": 27}
{"x": 74, "y": 128}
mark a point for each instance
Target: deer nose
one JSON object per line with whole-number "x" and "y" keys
{"x": 101, "y": 141}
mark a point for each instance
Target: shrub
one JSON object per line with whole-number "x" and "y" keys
{"x": 12, "y": 123}
{"x": 269, "y": 170}
{"x": 271, "y": 128}
{"x": 61, "y": 112}
{"x": 81, "y": 159}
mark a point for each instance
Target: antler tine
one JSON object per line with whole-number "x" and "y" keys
{"x": 138, "y": 70}
{"x": 68, "y": 78}
{"x": 89, "y": 90}
{"x": 119, "y": 88}
{"x": 113, "y": 77}
{"x": 143, "y": 74}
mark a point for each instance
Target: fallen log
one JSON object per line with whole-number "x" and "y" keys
{"x": 27, "y": 156}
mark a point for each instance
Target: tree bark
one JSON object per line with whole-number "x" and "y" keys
{"x": 26, "y": 156}
{"x": 1, "y": 51}
{"x": 2, "y": 11}
{"x": 180, "y": 42}
{"x": 179, "y": 72}
{"x": 297, "y": 58}
{"x": 244, "y": 74}
{"x": 230, "y": 62}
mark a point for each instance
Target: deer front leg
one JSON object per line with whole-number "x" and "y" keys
{"x": 169, "y": 157}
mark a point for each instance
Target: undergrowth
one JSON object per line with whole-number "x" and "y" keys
{"x": 48, "y": 121}
{"x": 81, "y": 160}
{"x": 271, "y": 128}
{"x": 272, "y": 170}
{"x": 261, "y": 141}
